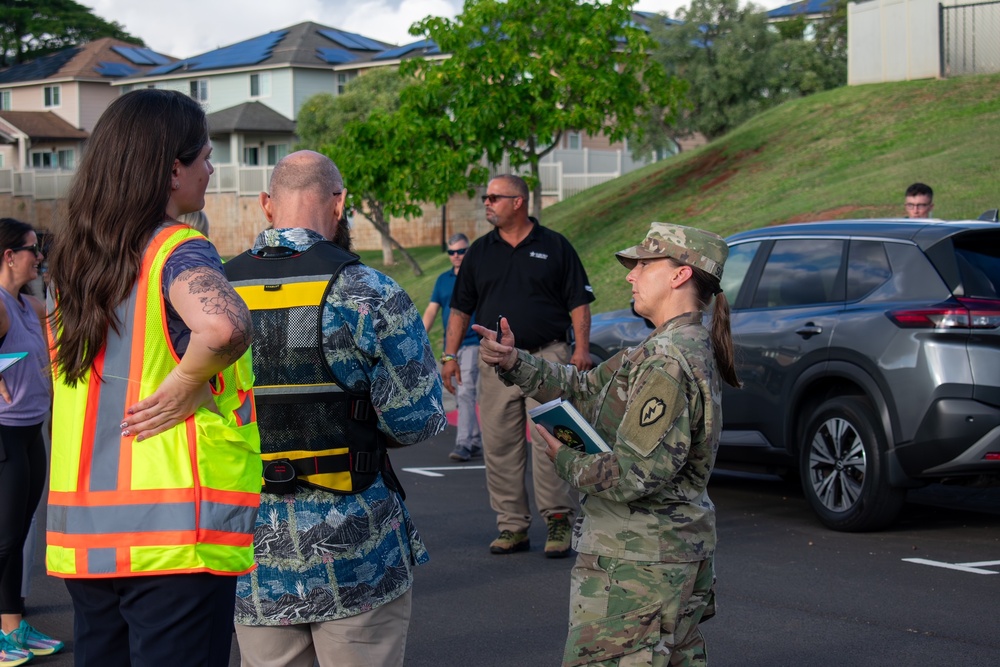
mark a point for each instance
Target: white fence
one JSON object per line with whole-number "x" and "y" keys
{"x": 563, "y": 173}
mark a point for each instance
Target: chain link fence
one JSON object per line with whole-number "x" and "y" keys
{"x": 970, "y": 38}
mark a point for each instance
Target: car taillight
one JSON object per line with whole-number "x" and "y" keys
{"x": 960, "y": 313}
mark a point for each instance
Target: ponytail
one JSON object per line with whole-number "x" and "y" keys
{"x": 721, "y": 335}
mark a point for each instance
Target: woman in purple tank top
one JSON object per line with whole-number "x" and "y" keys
{"x": 25, "y": 399}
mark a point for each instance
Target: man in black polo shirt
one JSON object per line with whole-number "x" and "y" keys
{"x": 533, "y": 277}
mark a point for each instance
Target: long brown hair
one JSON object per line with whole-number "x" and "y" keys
{"x": 706, "y": 285}
{"x": 117, "y": 200}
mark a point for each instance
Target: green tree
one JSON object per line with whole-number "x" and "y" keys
{"x": 388, "y": 143}
{"x": 737, "y": 65}
{"x": 521, "y": 72}
{"x": 30, "y": 29}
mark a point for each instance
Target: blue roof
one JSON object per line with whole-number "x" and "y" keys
{"x": 427, "y": 45}
{"x": 115, "y": 69}
{"x": 249, "y": 52}
{"x": 336, "y": 56}
{"x": 140, "y": 55}
{"x": 350, "y": 40}
{"x": 801, "y": 7}
{"x": 39, "y": 68}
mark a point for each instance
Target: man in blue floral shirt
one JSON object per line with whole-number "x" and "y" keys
{"x": 334, "y": 563}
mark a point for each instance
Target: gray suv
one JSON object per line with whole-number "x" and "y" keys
{"x": 870, "y": 356}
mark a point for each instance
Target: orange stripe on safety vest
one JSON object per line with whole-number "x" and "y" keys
{"x": 90, "y": 421}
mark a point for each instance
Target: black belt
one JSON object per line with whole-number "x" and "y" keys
{"x": 541, "y": 347}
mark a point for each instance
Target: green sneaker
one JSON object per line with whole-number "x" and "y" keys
{"x": 508, "y": 542}
{"x": 558, "y": 542}
{"x": 12, "y": 655}
{"x": 38, "y": 643}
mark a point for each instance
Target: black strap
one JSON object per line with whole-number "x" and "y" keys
{"x": 363, "y": 462}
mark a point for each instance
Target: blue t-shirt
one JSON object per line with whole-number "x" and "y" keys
{"x": 443, "y": 288}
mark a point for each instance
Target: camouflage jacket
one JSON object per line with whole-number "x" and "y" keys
{"x": 658, "y": 405}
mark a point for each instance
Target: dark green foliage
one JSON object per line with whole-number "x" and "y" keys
{"x": 30, "y": 29}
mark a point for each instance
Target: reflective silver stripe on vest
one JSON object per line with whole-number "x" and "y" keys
{"x": 109, "y": 519}
{"x": 245, "y": 412}
{"x": 227, "y": 518}
{"x": 101, "y": 560}
{"x": 148, "y": 518}
{"x": 114, "y": 388}
{"x": 250, "y": 282}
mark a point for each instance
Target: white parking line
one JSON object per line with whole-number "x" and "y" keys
{"x": 429, "y": 472}
{"x": 972, "y": 568}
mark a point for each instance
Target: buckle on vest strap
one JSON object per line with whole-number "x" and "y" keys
{"x": 365, "y": 463}
{"x": 361, "y": 410}
{"x": 279, "y": 477}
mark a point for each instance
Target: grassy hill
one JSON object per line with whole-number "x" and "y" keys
{"x": 845, "y": 153}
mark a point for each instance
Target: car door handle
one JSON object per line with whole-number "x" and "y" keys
{"x": 809, "y": 330}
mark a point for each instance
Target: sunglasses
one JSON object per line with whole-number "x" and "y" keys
{"x": 460, "y": 251}
{"x": 33, "y": 248}
{"x": 493, "y": 198}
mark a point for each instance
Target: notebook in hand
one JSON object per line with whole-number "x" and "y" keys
{"x": 569, "y": 426}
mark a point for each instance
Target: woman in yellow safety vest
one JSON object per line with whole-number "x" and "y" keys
{"x": 156, "y": 471}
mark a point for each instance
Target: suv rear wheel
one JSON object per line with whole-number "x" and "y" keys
{"x": 842, "y": 467}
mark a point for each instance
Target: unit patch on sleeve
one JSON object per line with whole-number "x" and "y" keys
{"x": 652, "y": 411}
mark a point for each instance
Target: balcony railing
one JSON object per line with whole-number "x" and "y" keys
{"x": 563, "y": 174}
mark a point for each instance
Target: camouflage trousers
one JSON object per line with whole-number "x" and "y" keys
{"x": 625, "y": 613}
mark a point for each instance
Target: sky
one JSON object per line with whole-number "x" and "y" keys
{"x": 185, "y": 28}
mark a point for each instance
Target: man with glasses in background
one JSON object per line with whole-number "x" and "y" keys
{"x": 469, "y": 441}
{"x": 532, "y": 277}
{"x": 919, "y": 201}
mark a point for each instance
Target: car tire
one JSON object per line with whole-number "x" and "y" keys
{"x": 843, "y": 469}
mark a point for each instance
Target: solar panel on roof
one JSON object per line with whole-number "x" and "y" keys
{"x": 132, "y": 54}
{"x": 114, "y": 69}
{"x": 401, "y": 51}
{"x": 351, "y": 40}
{"x": 250, "y": 52}
{"x": 335, "y": 56}
{"x": 158, "y": 59}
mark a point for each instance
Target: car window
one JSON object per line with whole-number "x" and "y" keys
{"x": 737, "y": 265}
{"x": 979, "y": 265}
{"x": 799, "y": 272}
{"x": 867, "y": 268}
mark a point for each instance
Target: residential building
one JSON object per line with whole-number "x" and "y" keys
{"x": 48, "y": 106}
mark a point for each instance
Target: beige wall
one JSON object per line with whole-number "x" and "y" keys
{"x": 892, "y": 40}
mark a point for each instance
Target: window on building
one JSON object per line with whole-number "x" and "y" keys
{"x": 52, "y": 96}
{"x": 67, "y": 159}
{"x": 343, "y": 78}
{"x": 43, "y": 160}
{"x": 573, "y": 141}
{"x": 260, "y": 84}
{"x": 199, "y": 90}
{"x": 251, "y": 156}
{"x": 275, "y": 152}
{"x": 4, "y": 100}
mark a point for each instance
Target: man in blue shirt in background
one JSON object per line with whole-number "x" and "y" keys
{"x": 469, "y": 441}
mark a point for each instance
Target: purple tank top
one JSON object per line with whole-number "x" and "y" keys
{"x": 28, "y": 380}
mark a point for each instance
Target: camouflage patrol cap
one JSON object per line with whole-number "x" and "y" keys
{"x": 688, "y": 245}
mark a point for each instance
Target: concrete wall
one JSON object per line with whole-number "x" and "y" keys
{"x": 892, "y": 40}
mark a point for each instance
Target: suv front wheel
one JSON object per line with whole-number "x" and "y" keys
{"x": 843, "y": 469}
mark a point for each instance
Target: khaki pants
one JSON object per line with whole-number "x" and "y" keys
{"x": 376, "y": 638}
{"x": 503, "y": 417}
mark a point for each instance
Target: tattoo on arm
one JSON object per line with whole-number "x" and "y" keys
{"x": 219, "y": 298}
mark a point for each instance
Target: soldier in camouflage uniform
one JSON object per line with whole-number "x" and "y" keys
{"x": 644, "y": 578}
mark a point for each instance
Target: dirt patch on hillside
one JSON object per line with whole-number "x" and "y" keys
{"x": 838, "y": 213}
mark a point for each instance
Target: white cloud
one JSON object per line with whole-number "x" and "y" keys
{"x": 184, "y": 28}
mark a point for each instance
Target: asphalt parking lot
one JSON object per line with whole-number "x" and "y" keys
{"x": 790, "y": 592}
